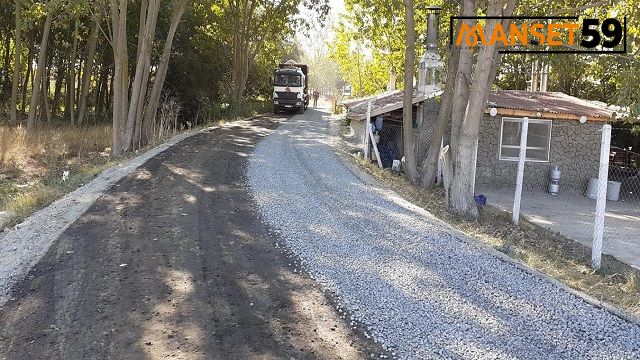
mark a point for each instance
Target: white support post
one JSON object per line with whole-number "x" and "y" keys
{"x": 367, "y": 129}
{"x": 603, "y": 177}
{"x": 439, "y": 172}
{"x": 375, "y": 149}
{"x": 520, "y": 175}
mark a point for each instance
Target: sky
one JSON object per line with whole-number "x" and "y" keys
{"x": 308, "y": 45}
{"x": 337, "y": 5}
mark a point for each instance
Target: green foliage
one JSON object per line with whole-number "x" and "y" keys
{"x": 201, "y": 62}
{"x": 611, "y": 79}
{"x": 369, "y": 44}
{"x": 200, "y": 69}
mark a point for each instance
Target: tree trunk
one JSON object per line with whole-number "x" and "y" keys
{"x": 430, "y": 163}
{"x": 454, "y": 100}
{"x": 120, "y": 86}
{"x": 78, "y": 82}
{"x": 138, "y": 89}
{"x": 461, "y": 191}
{"x": 462, "y": 83}
{"x": 179, "y": 7}
{"x": 37, "y": 83}
{"x": 44, "y": 109}
{"x": 101, "y": 90}
{"x": 17, "y": 64}
{"x": 108, "y": 101}
{"x": 57, "y": 91}
{"x": 88, "y": 68}
{"x": 27, "y": 78}
{"x": 241, "y": 51}
{"x": 71, "y": 88}
{"x": 407, "y": 108}
{"x": 6, "y": 63}
{"x": 137, "y": 136}
{"x": 46, "y": 88}
{"x": 240, "y": 69}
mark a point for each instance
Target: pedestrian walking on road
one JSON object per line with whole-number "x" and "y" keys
{"x": 316, "y": 95}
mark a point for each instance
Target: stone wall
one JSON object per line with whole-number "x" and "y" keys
{"x": 575, "y": 149}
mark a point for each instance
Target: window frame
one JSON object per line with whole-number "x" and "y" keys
{"x": 519, "y": 120}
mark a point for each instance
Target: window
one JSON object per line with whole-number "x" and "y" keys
{"x": 288, "y": 80}
{"x": 538, "y": 139}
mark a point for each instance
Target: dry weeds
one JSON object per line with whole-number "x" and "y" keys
{"x": 33, "y": 167}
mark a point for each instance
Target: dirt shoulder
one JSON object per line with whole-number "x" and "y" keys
{"x": 174, "y": 262}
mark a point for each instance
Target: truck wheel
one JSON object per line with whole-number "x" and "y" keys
{"x": 301, "y": 109}
{"x": 275, "y": 109}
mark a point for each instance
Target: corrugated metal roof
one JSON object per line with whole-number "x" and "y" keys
{"x": 548, "y": 102}
{"x": 534, "y": 101}
{"x": 385, "y": 102}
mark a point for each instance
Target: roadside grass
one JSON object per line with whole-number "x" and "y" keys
{"x": 616, "y": 283}
{"x": 33, "y": 167}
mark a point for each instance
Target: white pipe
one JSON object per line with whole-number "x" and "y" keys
{"x": 367, "y": 128}
{"x": 520, "y": 175}
{"x": 603, "y": 177}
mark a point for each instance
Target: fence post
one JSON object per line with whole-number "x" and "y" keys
{"x": 520, "y": 175}
{"x": 603, "y": 177}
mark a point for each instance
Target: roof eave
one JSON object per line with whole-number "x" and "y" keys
{"x": 547, "y": 115}
{"x": 417, "y": 98}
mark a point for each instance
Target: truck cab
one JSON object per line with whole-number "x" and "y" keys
{"x": 290, "y": 90}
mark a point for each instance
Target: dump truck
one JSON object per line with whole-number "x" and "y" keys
{"x": 290, "y": 87}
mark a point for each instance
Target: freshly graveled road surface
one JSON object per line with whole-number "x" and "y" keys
{"x": 419, "y": 288}
{"x": 173, "y": 262}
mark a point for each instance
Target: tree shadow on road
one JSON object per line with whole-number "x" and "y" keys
{"x": 174, "y": 262}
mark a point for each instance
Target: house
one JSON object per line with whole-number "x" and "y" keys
{"x": 564, "y": 131}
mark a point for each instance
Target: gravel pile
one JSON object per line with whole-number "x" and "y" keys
{"x": 416, "y": 288}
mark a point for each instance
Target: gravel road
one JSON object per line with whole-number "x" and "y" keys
{"x": 418, "y": 289}
{"x": 174, "y": 262}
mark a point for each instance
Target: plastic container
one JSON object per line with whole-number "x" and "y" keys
{"x": 613, "y": 190}
{"x": 592, "y": 188}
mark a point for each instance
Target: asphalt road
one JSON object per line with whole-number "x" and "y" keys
{"x": 174, "y": 262}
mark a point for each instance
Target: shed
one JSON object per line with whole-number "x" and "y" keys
{"x": 557, "y": 136}
{"x": 387, "y": 108}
